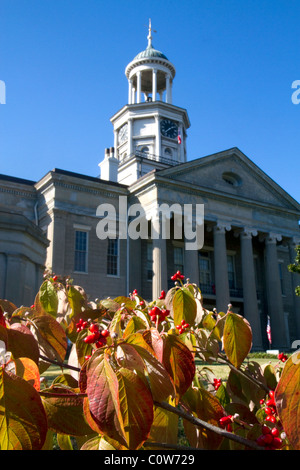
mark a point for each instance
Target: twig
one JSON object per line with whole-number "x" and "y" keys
{"x": 60, "y": 364}
{"x": 210, "y": 427}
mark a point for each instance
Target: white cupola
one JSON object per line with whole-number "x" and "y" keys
{"x": 149, "y": 131}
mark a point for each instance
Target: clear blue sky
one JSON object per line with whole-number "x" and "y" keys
{"x": 63, "y": 63}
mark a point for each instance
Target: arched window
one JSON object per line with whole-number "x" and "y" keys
{"x": 168, "y": 152}
{"x": 145, "y": 149}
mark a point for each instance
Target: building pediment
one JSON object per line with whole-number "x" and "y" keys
{"x": 233, "y": 175}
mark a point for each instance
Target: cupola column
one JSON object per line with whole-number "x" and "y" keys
{"x": 139, "y": 86}
{"x": 168, "y": 89}
{"x": 130, "y": 91}
{"x": 154, "y": 84}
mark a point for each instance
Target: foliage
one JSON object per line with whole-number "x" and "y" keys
{"x": 295, "y": 267}
{"x": 128, "y": 377}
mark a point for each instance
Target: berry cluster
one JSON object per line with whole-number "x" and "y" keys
{"x": 177, "y": 276}
{"x": 135, "y": 292}
{"x": 270, "y": 438}
{"x": 270, "y": 434}
{"x": 97, "y": 336}
{"x": 183, "y": 326}
{"x": 225, "y": 422}
{"x": 158, "y": 314}
{"x": 282, "y": 357}
{"x": 217, "y": 383}
{"x": 81, "y": 325}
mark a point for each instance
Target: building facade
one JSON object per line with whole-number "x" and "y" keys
{"x": 250, "y": 225}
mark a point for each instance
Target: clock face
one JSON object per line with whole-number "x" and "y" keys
{"x": 169, "y": 128}
{"x": 123, "y": 133}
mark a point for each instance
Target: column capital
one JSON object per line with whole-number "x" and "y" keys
{"x": 245, "y": 232}
{"x": 271, "y": 238}
{"x": 221, "y": 227}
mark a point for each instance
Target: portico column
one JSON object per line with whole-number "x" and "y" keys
{"x": 274, "y": 294}
{"x": 221, "y": 268}
{"x": 154, "y": 84}
{"x": 249, "y": 287}
{"x": 159, "y": 280}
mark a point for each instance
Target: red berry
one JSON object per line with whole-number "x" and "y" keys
{"x": 55, "y": 278}
{"x": 267, "y": 438}
{"x": 94, "y": 328}
{"x": 265, "y": 429}
{"x": 162, "y": 295}
{"x": 276, "y": 443}
{"x": 105, "y": 333}
{"x": 268, "y": 410}
{"x": 275, "y": 432}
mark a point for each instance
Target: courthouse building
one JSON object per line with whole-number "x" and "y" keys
{"x": 250, "y": 226}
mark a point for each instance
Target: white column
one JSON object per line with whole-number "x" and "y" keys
{"x": 159, "y": 280}
{"x": 133, "y": 97}
{"x": 274, "y": 294}
{"x": 139, "y": 86}
{"x": 130, "y": 91}
{"x": 249, "y": 287}
{"x": 221, "y": 267}
{"x": 154, "y": 84}
{"x": 168, "y": 89}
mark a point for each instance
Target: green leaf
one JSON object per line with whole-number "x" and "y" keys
{"x": 23, "y": 422}
{"x": 287, "y": 395}
{"x": 184, "y": 306}
{"x": 48, "y": 298}
{"x": 135, "y": 324}
{"x": 237, "y": 338}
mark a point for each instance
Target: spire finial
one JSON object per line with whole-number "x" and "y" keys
{"x": 150, "y": 30}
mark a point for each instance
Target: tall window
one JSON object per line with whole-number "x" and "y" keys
{"x": 178, "y": 259}
{"x": 149, "y": 261}
{"x": 113, "y": 257}
{"x": 81, "y": 251}
{"x": 204, "y": 268}
{"x": 231, "y": 271}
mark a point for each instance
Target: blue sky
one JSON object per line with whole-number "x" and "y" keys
{"x": 63, "y": 63}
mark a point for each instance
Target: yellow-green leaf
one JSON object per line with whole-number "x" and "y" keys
{"x": 237, "y": 338}
{"x": 287, "y": 396}
{"x": 184, "y": 306}
{"x": 23, "y": 422}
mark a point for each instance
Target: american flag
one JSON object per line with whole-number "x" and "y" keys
{"x": 269, "y": 330}
{"x": 179, "y": 137}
